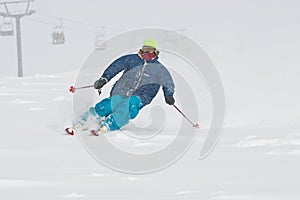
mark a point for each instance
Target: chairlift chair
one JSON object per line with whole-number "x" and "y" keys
{"x": 7, "y": 28}
{"x": 58, "y": 36}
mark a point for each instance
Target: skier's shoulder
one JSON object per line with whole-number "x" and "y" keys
{"x": 129, "y": 56}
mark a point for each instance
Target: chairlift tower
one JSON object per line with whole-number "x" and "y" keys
{"x": 17, "y": 16}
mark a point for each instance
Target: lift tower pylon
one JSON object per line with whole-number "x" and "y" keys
{"x": 17, "y": 16}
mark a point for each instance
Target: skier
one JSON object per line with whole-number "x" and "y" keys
{"x": 142, "y": 77}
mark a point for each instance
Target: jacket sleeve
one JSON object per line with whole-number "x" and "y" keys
{"x": 114, "y": 68}
{"x": 166, "y": 82}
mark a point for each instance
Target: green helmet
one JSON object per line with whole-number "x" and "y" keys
{"x": 150, "y": 43}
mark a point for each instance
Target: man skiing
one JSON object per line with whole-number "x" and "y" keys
{"x": 142, "y": 77}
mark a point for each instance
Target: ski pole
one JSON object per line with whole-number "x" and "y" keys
{"x": 72, "y": 89}
{"x": 193, "y": 124}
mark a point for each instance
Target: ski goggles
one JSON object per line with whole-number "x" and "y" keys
{"x": 148, "y": 49}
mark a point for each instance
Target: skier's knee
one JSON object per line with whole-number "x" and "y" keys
{"x": 103, "y": 108}
{"x": 133, "y": 112}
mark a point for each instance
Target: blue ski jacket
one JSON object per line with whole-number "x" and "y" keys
{"x": 140, "y": 78}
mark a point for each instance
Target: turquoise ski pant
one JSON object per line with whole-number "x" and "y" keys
{"x": 116, "y": 109}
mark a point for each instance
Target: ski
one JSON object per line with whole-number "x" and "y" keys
{"x": 69, "y": 131}
{"x": 100, "y": 130}
{"x": 94, "y": 132}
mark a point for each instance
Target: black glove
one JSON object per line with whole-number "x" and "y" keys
{"x": 100, "y": 83}
{"x": 170, "y": 100}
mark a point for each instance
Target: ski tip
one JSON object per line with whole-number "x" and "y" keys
{"x": 69, "y": 131}
{"x": 94, "y": 132}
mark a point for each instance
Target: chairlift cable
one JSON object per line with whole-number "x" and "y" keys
{"x": 65, "y": 26}
{"x": 97, "y": 27}
{"x": 68, "y": 19}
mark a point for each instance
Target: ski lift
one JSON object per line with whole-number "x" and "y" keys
{"x": 100, "y": 40}
{"x": 58, "y": 36}
{"x": 7, "y": 28}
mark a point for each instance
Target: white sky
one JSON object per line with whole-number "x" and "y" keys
{"x": 254, "y": 44}
{"x": 227, "y": 29}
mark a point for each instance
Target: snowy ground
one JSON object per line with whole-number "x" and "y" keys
{"x": 38, "y": 161}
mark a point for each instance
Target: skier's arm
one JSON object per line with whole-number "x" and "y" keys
{"x": 167, "y": 86}
{"x": 112, "y": 70}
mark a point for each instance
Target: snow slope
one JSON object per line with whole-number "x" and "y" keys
{"x": 38, "y": 161}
